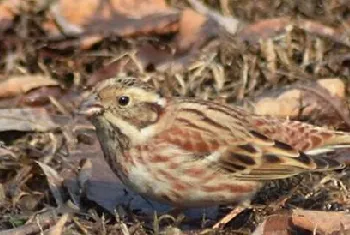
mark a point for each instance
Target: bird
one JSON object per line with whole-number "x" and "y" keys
{"x": 189, "y": 152}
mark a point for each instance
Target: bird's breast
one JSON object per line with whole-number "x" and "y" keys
{"x": 173, "y": 176}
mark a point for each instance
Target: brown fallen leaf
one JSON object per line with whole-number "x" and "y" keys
{"x": 279, "y": 224}
{"x": 94, "y": 183}
{"x": 8, "y": 10}
{"x": 151, "y": 57}
{"x": 16, "y": 85}
{"x": 264, "y": 29}
{"x": 117, "y": 17}
{"x": 194, "y": 34}
{"x": 100, "y": 9}
{"x": 108, "y": 71}
{"x": 321, "y": 102}
{"x": 30, "y": 120}
{"x": 40, "y": 96}
{"x": 321, "y": 222}
{"x": 194, "y": 30}
{"x": 324, "y": 105}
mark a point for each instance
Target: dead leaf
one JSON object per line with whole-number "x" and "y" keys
{"x": 106, "y": 72}
{"x": 322, "y": 102}
{"x": 16, "y": 85}
{"x": 323, "y": 108}
{"x": 270, "y": 28}
{"x": 274, "y": 225}
{"x": 104, "y": 180}
{"x": 334, "y": 86}
{"x": 101, "y": 180}
{"x": 118, "y": 17}
{"x": 40, "y": 96}
{"x": 322, "y": 222}
{"x": 8, "y": 8}
{"x": 195, "y": 33}
{"x": 55, "y": 182}
{"x": 30, "y": 120}
{"x": 264, "y": 29}
{"x": 193, "y": 30}
{"x": 152, "y": 57}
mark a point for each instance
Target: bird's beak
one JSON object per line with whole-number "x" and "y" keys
{"x": 90, "y": 106}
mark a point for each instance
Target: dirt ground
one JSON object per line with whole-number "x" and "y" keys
{"x": 276, "y": 57}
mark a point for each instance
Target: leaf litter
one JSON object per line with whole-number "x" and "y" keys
{"x": 282, "y": 58}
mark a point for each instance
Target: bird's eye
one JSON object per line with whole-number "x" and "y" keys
{"x": 123, "y": 100}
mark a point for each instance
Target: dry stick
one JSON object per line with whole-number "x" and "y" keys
{"x": 231, "y": 25}
{"x": 230, "y": 216}
{"x": 31, "y": 228}
{"x": 336, "y": 34}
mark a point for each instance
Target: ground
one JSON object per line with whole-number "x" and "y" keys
{"x": 284, "y": 58}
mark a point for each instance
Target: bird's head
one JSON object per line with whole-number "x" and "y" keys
{"x": 125, "y": 103}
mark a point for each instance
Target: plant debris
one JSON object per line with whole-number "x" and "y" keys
{"x": 281, "y": 58}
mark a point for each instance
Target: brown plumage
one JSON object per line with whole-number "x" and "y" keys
{"x": 190, "y": 152}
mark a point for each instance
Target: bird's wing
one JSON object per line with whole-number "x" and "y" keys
{"x": 300, "y": 135}
{"x": 205, "y": 128}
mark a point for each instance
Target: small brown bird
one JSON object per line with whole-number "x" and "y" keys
{"x": 189, "y": 152}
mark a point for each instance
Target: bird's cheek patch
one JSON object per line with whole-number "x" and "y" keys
{"x": 153, "y": 117}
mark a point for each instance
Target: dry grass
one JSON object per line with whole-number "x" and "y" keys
{"x": 227, "y": 69}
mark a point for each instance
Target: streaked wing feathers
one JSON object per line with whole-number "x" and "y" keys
{"x": 300, "y": 135}
{"x": 248, "y": 152}
{"x": 271, "y": 162}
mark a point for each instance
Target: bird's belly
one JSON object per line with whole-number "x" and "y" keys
{"x": 194, "y": 189}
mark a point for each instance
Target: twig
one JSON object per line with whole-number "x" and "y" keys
{"x": 46, "y": 220}
{"x": 231, "y": 25}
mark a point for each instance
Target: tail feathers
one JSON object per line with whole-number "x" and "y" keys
{"x": 306, "y": 162}
{"x": 323, "y": 164}
{"x": 337, "y": 140}
{"x": 302, "y": 136}
{"x": 277, "y": 167}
